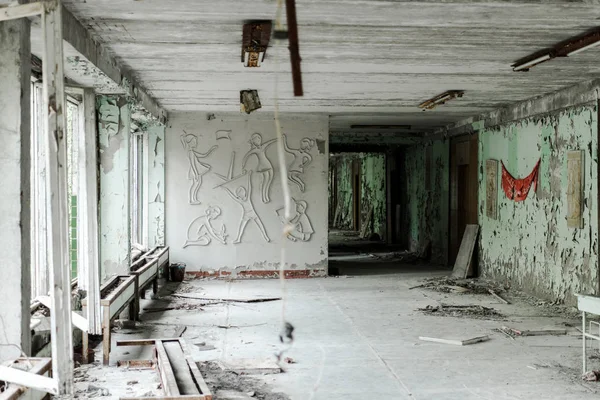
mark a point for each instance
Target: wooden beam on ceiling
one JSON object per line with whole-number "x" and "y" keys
{"x": 81, "y": 39}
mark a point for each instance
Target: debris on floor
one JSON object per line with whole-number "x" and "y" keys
{"x": 462, "y": 311}
{"x": 223, "y": 380}
{"x": 464, "y": 342}
{"x": 250, "y": 366}
{"x": 591, "y": 376}
{"x": 240, "y": 299}
{"x": 452, "y": 285}
{"x": 543, "y": 332}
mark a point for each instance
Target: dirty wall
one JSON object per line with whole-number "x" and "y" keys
{"x": 224, "y": 202}
{"x": 425, "y": 217}
{"x": 371, "y": 172}
{"x": 529, "y": 244}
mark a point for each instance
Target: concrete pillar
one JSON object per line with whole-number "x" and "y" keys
{"x": 114, "y": 132}
{"x": 155, "y": 166}
{"x": 15, "y": 158}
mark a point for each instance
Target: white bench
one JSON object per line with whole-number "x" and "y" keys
{"x": 591, "y": 305}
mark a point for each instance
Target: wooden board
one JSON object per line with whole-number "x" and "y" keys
{"x": 465, "y": 253}
{"x": 183, "y": 377}
{"x": 456, "y": 342}
{"x": 491, "y": 189}
{"x": 248, "y": 299}
{"x": 575, "y": 189}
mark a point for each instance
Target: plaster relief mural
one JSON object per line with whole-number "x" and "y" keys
{"x": 302, "y": 158}
{"x": 264, "y": 166}
{"x": 197, "y": 168}
{"x": 201, "y": 231}
{"x": 302, "y": 227}
{"x": 243, "y": 196}
{"x": 223, "y": 134}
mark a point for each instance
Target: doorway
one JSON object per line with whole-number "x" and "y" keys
{"x": 464, "y": 187}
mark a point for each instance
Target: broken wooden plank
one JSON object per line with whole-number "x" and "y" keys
{"x": 167, "y": 375}
{"x": 183, "y": 378}
{"x": 204, "y": 389}
{"x": 144, "y": 342}
{"x": 543, "y": 332}
{"x": 465, "y": 252}
{"x": 456, "y": 342}
{"x": 232, "y": 299}
{"x": 497, "y": 296}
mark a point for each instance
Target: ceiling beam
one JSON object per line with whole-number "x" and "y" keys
{"x": 80, "y": 38}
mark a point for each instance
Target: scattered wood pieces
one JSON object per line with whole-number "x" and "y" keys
{"x": 498, "y": 297}
{"x": 237, "y": 327}
{"x": 544, "y": 332}
{"x": 136, "y": 364}
{"x": 462, "y": 266}
{"x": 456, "y": 342}
{"x": 226, "y": 299}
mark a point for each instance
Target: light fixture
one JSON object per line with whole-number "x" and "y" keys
{"x": 581, "y": 44}
{"x": 564, "y": 49}
{"x": 526, "y": 64}
{"x": 249, "y": 101}
{"x": 255, "y": 40}
{"x": 441, "y": 99}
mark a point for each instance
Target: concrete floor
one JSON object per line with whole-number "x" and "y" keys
{"x": 356, "y": 337}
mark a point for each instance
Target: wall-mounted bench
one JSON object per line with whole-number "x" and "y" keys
{"x": 161, "y": 253}
{"x": 118, "y": 293}
{"x": 146, "y": 272}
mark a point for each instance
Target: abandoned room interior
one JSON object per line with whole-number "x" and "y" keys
{"x": 311, "y": 199}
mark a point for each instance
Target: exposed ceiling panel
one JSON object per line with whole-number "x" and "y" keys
{"x": 363, "y": 62}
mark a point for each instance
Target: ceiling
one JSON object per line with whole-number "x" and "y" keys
{"x": 363, "y": 61}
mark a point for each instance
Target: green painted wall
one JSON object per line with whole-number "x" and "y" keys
{"x": 372, "y": 188}
{"x": 373, "y": 193}
{"x": 529, "y": 245}
{"x": 427, "y": 182}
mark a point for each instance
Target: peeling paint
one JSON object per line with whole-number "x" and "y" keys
{"x": 372, "y": 191}
{"x": 427, "y": 194}
{"x": 156, "y": 178}
{"x": 113, "y": 138}
{"x": 530, "y": 245}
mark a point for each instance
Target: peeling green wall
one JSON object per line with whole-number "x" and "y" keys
{"x": 529, "y": 245}
{"x": 342, "y": 164}
{"x": 427, "y": 182}
{"x": 373, "y": 193}
{"x": 372, "y": 190}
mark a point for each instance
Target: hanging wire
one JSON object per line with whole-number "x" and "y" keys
{"x": 286, "y": 335}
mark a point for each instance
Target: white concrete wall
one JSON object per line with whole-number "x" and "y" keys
{"x": 156, "y": 185}
{"x": 114, "y": 118}
{"x": 15, "y": 147}
{"x": 210, "y": 241}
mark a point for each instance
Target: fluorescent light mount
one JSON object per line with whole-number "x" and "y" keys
{"x": 381, "y": 127}
{"x": 255, "y": 40}
{"x": 441, "y": 99}
{"x": 249, "y": 101}
{"x": 564, "y": 49}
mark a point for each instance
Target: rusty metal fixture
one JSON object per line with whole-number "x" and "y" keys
{"x": 249, "y": 101}
{"x": 255, "y": 40}
{"x": 440, "y": 99}
{"x": 290, "y": 7}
